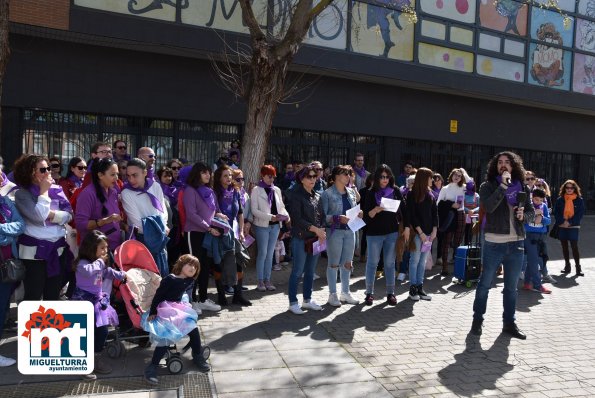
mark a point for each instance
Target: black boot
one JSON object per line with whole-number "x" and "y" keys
{"x": 579, "y": 271}
{"x": 476, "y": 327}
{"x": 238, "y": 297}
{"x": 566, "y": 269}
{"x": 221, "y": 299}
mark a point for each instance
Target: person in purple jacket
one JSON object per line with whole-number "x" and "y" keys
{"x": 97, "y": 205}
{"x": 200, "y": 208}
{"x": 94, "y": 284}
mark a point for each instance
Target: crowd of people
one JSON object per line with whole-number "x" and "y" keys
{"x": 199, "y": 222}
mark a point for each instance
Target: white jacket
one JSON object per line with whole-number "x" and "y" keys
{"x": 259, "y": 204}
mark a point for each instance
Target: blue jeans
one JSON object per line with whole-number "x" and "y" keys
{"x": 5, "y": 293}
{"x": 302, "y": 263}
{"x": 376, "y": 244}
{"x": 417, "y": 264}
{"x": 266, "y": 239}
{"x": 510, "y": 255}
{"x": 340, "y": 245}
{"x": 532, "y": 274}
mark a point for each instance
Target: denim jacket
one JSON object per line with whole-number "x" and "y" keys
{"x": 13, "y": 227}
{"x": 332, "y": 203}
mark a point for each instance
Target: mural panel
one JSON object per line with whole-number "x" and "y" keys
{"x": 566, "y": 5}
{"x": 549, "y": 66}
{"x": 444, "y": 57}
{"x": 583, "y": 77}
{"x": 587, "y": 7}
{"x": 459, "y": 10}
{"x": 548, "y": 26}
{"x": 507, "y": 16}
{"x": 381, "y": 31}
{"x": 156, "y": 9}
{"x": 500, "y": 68}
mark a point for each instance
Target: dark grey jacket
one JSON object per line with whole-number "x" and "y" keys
{"x": 305, "y": 210}
{"x": 493, "y": 199}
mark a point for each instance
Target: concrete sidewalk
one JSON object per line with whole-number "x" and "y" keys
{"x": 413, "y": 349}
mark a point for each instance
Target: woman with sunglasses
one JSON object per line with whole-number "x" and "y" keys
{"x": 175, "y": 165}
{"x": 454, "y": 195}
{"x": 56, "y": 169}
{"x": 268, "y": 211}
{"x": 97, "y": 206}
{"x": 238, "y": 182}
{"x": 307, "y": 232}
{"x": 336, "y": 201}
{"x": 77, "y": 168}
{"x": 42, "y": 247}
{"x": 569, "y": 210}
{"x": 382, "y": 230}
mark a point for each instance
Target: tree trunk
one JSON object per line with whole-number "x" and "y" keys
{"x": 266, "y": 89}
{"x": 4, "y": 53}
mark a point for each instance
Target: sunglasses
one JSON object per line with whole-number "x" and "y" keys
{"x": 530, "y": 178}
{"x": 383, "y": 177}
{"x": 564, "y": 187}
{"x": 241, "y": 179}
{"x": 175, "y": 168}
{"x": 311, "y": 176}
{"x": 55, "y": 165}
{"x": 150, "y": 156}
{"x": 121, "y": 147}
{"x": 81, "y": 168}
{"x": 44, "y": 170}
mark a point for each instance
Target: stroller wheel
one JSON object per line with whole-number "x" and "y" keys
{"x": 114, "y": 349}
{"x": 174, "y": 365}
{"x": 206, "y": 352}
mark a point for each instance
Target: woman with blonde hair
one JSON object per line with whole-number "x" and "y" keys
{"x": 569, "y": 210}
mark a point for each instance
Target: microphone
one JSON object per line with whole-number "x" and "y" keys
{"x": 521, "y": 197}
{"x": 508, "y": 181}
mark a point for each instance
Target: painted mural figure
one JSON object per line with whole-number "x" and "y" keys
{"x": 510, "y": 10}
{"x": 154, "y": 5}
{"x": 587, "y": 42}
{"x": 547, "y": 61}
{"x": 379, "y": 15}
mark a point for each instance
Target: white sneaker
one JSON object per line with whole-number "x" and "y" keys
{"x": 348, "y": 298}
{"x": 4, "y": 361}
{"x": 316, "y": 276}
{"x": 208, "y": 305}
{"x": 311, "y": 305}
{"x": 401, "y": 276}
{"x": 549, "y": 279}
{"x": 196, "y": 308}
{"x": 295, "y": 308}
{"x": 333, "y": 300}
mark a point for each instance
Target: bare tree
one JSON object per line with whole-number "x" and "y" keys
{"x": 4, "y": 51}
{"x": 259, "y": 77}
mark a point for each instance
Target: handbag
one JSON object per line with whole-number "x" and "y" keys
{"x": 309, "y": 245}
{"x": 11, "y": 270}
{"x": 555, "y": 232}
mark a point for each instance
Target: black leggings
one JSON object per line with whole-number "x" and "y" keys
{"x": 194, "y": 343}
{"x": 195, "y": 248}
{"x": 37, "y": 284}
{"x": 100, "y": 337}
{"x": 575, "y": 253}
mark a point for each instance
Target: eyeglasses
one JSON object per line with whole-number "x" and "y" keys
{"x": 564, "y": 187}
{"x": 55, "y": 165}
{"x": 105, "y": 151}
{"x": 150, "y": 156}
{"x": 175, "y": 168}
{"x": 241, "y": 179}
{"x": 311, "y": 176}
{"x": 530, "y": 178}
{"x": 81, "y": 168}
{"x": 121, "y": 147}
{"x": 44, "y": 170}
{"x": 384, "y": 177}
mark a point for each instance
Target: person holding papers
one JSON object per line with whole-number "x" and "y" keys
{"x": 383, "y": 210}
{"x": 336, "y": 201}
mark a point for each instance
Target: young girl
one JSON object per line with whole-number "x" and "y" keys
{"x": 171, "y": 316}
{"x": 94, "y": 283}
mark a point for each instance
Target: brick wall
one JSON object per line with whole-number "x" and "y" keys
{"x": 48, "y": 13}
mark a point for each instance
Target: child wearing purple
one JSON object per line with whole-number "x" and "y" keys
{"x": 94, "y": 283}
{"x": 97, "y": 205}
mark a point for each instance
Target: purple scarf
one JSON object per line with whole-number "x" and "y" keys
{"x": 171, "y": 192}
{"x": 148, "y": 184}
{"x": 243, "y": 197}
{"x": 78, "y": 182}
{"x": 514, "y": 188}
{"x": 270, "y": 193}
{"x": 56, "y": 194}
{"x": 436, "y": 192}
{"x": 208, "y": 196}
{"x": 360, "y": 172}
{"x": 384, "y": 193}
{"x": 227, "y": 197}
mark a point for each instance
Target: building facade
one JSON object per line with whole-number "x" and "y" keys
{"x": 468, "y": 79}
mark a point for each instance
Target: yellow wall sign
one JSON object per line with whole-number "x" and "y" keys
{"x": 454, "y": 126}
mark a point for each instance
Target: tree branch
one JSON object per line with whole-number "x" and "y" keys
{"x": 248, "y": 14}
{"x": 300, "y": 22}
{"x": 315, "y": 11}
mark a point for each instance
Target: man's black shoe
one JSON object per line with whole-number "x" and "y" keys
{"x": 513, "y": 330}
{"x": 476, "y": 328}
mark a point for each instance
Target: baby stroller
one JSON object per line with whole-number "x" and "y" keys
{"x": 137, "y": 293}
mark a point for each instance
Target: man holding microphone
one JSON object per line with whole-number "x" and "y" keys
{"x": 507, "y": 204}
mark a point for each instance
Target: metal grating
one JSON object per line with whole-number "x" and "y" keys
{"x": 194, "y": 385}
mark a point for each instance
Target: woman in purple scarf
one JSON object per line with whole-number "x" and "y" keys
{"x": 46, "y": 210}
{"x": 268, "y": 211}
{"x": 77, "y": 168}
{"x": 381, "y": 231}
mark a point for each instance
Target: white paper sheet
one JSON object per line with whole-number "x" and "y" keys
{"x": 391, "y": 205}
{"x": 355, "y": 223}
